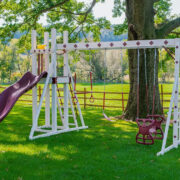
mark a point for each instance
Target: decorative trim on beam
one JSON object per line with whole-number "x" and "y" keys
{"x": 119, "y": 44}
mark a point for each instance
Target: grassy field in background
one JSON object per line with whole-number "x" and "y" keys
{"x": 106, "y": 150}
{"x": 108, "y": 88}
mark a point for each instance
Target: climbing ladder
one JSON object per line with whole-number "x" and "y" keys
{"x": 71, "y": 107}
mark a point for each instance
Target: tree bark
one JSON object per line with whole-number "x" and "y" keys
{"x": 140, "y": 16}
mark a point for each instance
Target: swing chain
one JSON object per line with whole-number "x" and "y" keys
{"x": 91, "y": 99}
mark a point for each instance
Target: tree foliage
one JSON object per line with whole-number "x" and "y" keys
{"x": 24, "y": 15}
{"x": 13, "y": 65}
{"x": 162, "y": 18}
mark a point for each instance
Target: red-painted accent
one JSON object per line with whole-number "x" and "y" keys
{"x": 124, "y": 43}
{"x": 91, "y": 99}
{"x": 144, "y": 136}
{"x": 111, "y": 44}
{"x": 165, "y": 42}
{"x": 151, "y": 42}
{"x": 99, "y": 44}
{"x": 39, "y": 60}
{"x": 54, "y": 80}
{"x": 87, "y": 45}
{"x": 75, "y": 45}
{"x": 64, "y": 46}
{"x": 75, "y": 81}
{"x": 42, "y": 63}
{"x": 138, "y": 43}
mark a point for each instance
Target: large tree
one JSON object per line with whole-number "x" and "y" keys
{"x": 144, "y": 20}
{"x": 77, "y": 18}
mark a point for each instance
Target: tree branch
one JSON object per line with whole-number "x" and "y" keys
{"x": 167, "y": 28}
{"x": 53, "y": 6}
{"x": 177, "y": 33}
{"x": 81, "y": 13}
{"x": 156, "y": 1}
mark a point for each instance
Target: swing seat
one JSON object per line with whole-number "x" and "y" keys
{"x": 146, "y": 129}
{"x": 158, "y": 134}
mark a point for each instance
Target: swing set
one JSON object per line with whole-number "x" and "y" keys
{"x": 149, "y": 127}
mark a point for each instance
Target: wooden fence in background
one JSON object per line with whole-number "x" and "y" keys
{"x": 101, "y": 98}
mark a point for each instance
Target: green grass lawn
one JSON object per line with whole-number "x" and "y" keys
{"x": 106, "y": 150}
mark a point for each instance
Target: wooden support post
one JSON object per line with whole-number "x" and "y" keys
{"x": 47, "y": 96}
{"x": 39, "y": 92}
{"x": 123, "y": 101}
{"x": 66, "y": 90}
{"x": 34, "y": 71}
{"x": 104, "y": 99}
{"x": 176, "y": 96}
{"x": 39, "y": 64}
{"x": 84, "y": 98}
{"x": 54, "y": 75}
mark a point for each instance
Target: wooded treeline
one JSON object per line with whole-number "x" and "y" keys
{"x": 14, "y": 64}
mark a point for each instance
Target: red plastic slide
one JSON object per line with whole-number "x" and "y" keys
{"x": 11, "y": 94}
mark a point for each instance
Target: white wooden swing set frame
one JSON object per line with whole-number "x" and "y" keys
{"x": 51, "y": 126}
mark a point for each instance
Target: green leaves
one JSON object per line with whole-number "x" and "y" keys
{"x": 119, "y": 8}
{"x": 75, "y": 17}
{"x": 121, "y": 28}
{"x": 162, "y": 11}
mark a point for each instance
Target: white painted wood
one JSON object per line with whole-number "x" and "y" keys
{"x": 165, "y": 150}
{"x": 118, "y": 44}
{"x": 175, "y": 122}
{"x": 174, "y": 100}
{"x": 168, "y": 118}
{"x": 41, "y": 51}
{"x": 35, "y": 122}
{"x": 66, "y": 110}
{"x": 63, "y": 80}
{"x": 77, "y": 101}
{"x": 73, "y": 112}
{"x": 47, "y": 98}
{"x": 67, "y": 74}
{"x": 54, "y": 74}
{"x": 178, "y": 116}
{"x": 57, "y": 132}
{"x": 34, "y": 71}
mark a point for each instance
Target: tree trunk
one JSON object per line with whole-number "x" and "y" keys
{"x": 140, "y": 16}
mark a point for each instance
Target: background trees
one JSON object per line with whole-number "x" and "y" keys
{"x": 13, "y": 65}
